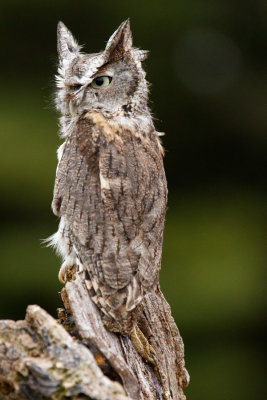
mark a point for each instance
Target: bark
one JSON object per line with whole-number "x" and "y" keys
{"x": 76, "y": 357}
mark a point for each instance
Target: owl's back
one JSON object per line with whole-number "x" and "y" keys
{"x": 111, "y": 192}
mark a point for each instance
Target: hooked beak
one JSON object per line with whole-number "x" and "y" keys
{"x": 72, "y": 109}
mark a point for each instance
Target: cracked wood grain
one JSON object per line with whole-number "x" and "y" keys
{"x": 76, "y": 357}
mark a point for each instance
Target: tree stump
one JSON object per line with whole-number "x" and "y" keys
{"x": 76, "y": 357}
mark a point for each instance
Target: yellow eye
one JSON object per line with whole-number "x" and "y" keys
{"x": 101, "y": 81}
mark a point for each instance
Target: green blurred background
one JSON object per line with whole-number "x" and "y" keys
{"x": 207, "y": 67}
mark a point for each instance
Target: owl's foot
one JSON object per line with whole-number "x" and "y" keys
{"x": 67, "y": 272}
{"x": 146, "y": 351}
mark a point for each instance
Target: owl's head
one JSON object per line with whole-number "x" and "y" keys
{"x": 111, "y": 81}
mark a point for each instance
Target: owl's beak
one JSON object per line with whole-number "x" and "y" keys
{"x": 72, "y": 109}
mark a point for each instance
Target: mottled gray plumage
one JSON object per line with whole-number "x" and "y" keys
{"x": 110, "y": 190}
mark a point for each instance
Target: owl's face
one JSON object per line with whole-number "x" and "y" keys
{"x": 112, "y": 81}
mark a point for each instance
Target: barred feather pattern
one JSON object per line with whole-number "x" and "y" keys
{"x": 110, "y": 189}
{"x": 111, "y": 193}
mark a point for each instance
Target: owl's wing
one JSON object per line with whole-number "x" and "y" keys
{"x": 111, "y": 190}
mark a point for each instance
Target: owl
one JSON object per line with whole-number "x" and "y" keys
{"x": 110, "y": 189}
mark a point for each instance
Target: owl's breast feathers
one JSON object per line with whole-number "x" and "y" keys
{"x": 111, "y": 191}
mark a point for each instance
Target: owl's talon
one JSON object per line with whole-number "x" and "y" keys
{"x": 66, "y": 273}
{"x": 61, "y": 278}
{"x": 61, "y": 275}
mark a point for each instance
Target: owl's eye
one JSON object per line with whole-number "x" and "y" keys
{"x": 76, "y": 87}
{"x": 101, "y": 81}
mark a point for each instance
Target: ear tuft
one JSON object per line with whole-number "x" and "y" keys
{"x": 66, "y": 44}
{"x": 141, "y": 55}
{"x": 120, "y": 42}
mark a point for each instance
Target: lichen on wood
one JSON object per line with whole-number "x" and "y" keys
{"x": 40, "y": 360}
{"x": 76, "y": 357}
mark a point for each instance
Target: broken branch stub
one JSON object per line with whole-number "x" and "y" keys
{"x": 76, "y": 357}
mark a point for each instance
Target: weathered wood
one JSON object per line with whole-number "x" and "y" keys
{"x": 40, "y": 360}
{"x": 78, "y": 358}
{"x": 138, "y": 377}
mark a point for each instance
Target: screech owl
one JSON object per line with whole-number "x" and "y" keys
{"x": 110, "y": 190}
